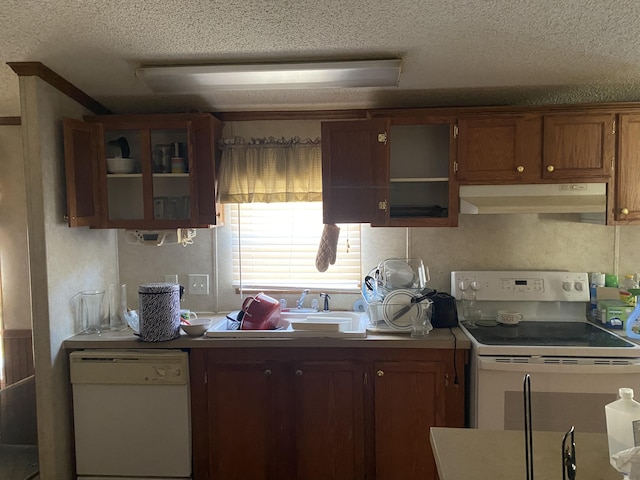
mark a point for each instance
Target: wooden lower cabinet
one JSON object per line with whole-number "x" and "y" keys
{"x": 409, "y": 399}
{"x": 328, "y": 409}
{"x": 241, "y": 399}
{"x": 311, "y": 414}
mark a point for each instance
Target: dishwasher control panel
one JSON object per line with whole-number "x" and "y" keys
{"x": 148, "y": 367}
{"x": 163, "y": 373}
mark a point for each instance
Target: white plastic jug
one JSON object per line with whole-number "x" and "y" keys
{"x": 623, "y": 422}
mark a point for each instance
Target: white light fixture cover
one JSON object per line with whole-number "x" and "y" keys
{"x": 200, "y": 78}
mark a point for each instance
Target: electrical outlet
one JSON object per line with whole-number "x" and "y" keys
{"x": 198, "y": 284}
{"x": 171, "y": 278}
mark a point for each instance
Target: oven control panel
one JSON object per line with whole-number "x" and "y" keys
{"x": 519, "y": 285}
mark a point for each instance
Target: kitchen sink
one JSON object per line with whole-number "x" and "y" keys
{"x": 301, "y": 311}
{"x": 337, "y": 324}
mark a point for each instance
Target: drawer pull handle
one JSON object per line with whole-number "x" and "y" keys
{"x": 380, "y": 373}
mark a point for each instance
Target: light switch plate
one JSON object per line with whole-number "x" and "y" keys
{"x": 198, "y": 284}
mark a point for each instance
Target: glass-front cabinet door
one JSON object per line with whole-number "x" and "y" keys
{"x": 151, "y": 171}
{"x": 123, "y": 164}
{"x": 171, "y": 198}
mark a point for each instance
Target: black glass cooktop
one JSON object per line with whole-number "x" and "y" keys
{"x": 572, "y": 334}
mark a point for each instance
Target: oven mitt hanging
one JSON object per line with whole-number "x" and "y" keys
{"x": 327, "y": 250}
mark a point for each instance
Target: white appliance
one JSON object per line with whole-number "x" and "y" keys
{"x": 534, "y": 198}
{"x": 157, "y": 238}
{"x": 576, "y": 367}
{"x": 131, "y": 414}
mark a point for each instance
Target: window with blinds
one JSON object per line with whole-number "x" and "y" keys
{"x": 275, "y": 247}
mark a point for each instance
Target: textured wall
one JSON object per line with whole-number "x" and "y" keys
{"x": 479, "y": 242}
{"x": 62, "y": 262}
{"x": 14, "y": 269}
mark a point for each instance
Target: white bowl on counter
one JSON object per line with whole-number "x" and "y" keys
{"x": 197, "y": 326}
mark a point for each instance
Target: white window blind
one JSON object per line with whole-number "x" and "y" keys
{"x": 275, "y": 246}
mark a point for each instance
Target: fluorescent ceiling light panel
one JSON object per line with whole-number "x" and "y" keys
{"x": 202, "y": 78}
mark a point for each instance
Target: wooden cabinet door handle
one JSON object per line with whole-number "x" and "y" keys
{"x": 267, "y": 372}
{"x": 624, "y": 211}
{"x": 520, "y": 169}
{"x": 299, "y": 373}
{"x": 550, "y": 168}
{"x": 380, "y": 373}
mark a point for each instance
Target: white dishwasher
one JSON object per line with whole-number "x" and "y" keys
{"x": 131, "y": 413}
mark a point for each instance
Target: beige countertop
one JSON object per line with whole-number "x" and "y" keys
{"x": 469, "y": 454}
{"x": 437, "y": 338}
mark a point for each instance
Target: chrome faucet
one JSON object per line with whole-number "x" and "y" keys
{"x": 301, "y": 299}
{"x": 326, "y": 301}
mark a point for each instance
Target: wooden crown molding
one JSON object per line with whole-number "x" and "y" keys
{"x": 291, "y": 115}
{"x": 37, "y": 69}
{"x": 10, "y": 120}
{"x": 16, "y": 333}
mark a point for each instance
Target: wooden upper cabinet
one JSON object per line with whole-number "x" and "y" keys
{"x": 355, "y": 171}
{"x": 389, "y": 172}
{"x": 203, "y": 134}
{"x": 578, "y": 146}
{"x": 81, "y": 166}
{"x": 172, "y": 184}
{"x": 499, "y": 148}
{"x": 627, "y": 191}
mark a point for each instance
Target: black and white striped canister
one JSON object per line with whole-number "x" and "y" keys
{"x": 159, "y": 311}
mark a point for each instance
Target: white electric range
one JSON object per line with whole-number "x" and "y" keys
{"x": 576, "y": 367}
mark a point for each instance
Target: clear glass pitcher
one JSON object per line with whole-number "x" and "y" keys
{"x": 91, "y": 302}
{"x": 117, "y": 306}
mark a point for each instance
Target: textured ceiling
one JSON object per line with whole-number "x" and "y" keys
{"x": 467, "y": 52}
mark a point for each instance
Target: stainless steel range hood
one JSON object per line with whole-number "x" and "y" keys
{"x": 534, "y": 198}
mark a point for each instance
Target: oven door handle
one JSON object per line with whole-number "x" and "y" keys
{"x": 560, "y": 367}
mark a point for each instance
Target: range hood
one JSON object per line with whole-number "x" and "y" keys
{"x": 534, "y": 198}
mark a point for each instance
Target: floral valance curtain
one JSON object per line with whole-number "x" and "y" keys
{"x": 270, "y": 170}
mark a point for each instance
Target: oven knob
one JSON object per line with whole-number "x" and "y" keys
{"x": 566, "y": 286}
{"x": 578, "y": 286}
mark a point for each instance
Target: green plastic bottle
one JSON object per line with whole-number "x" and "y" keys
{"x": 627, "y": 288}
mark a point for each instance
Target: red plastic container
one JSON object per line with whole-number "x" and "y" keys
{"x": 261, "y": 312}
